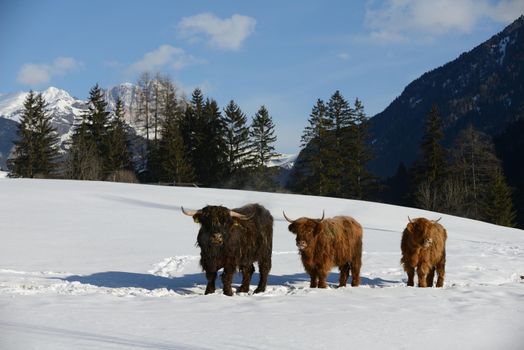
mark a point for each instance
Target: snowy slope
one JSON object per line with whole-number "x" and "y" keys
{"x": 90, "y": 265}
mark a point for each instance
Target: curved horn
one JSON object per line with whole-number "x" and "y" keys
{"x": 189, "y": 212}
{"x": 435, "y": 221}
{"x": 288, "y": 219}
{"x": 239, "y": 216}
{"x": 409, "y": 219}
{"x": 323, "y": 214}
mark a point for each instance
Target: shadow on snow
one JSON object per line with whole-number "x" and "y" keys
{"x": 184, "y": 284}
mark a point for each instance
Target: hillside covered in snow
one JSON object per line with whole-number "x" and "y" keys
{"x": 91, "y": 265}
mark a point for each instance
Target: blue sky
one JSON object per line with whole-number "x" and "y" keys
{"x": 283, "y": 54}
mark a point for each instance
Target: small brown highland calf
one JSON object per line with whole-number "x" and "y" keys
{"x": 423, "y": 248}
{"x": 326, "y": 243}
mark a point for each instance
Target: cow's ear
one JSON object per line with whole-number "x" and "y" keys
{"x": 196, "y": 218}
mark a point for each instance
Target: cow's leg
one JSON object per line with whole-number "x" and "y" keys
{"x": 313, "y": 274}
{"x": 247, "y": 273}
{"x": 263, "y": 268}
{"x": 211, "y": 276}
{"x": 411, "y": 275}
{"x": 431, "y": 277}
{"x": 422, "y": 274}
{"x": 322, "y": 277}
{"x": 441, "y": 271}
{"x": 344, "y": 274}
{"x": 355, "y": 273}
{"x": 227, "y": 279}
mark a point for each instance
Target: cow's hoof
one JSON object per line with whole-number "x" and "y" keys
{"x": 243, "y": 290}
{"x": 228, "y": 293}
{"x": 260, "y": 290}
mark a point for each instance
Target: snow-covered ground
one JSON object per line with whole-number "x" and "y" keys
{"x": 90, "y": 265}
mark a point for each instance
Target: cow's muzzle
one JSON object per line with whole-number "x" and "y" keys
{"x": 301, "y": 245}
{"x": 217, "y": 239}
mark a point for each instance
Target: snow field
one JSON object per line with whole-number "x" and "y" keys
{"x": 113, "y": 266}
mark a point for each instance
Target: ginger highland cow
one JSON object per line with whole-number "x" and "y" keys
{"x": 326, "y": 243}
{"x": 423, "y": 248}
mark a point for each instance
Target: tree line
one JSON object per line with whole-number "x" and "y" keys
{"x": 193, "y": 141}
{"x": 466, "y": 180}
{"x": 178, "y": 141}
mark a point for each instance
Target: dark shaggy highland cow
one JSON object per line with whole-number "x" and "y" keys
{"x": 423, "y": 248}
{"x": 326, "y": 243}
{"x": 234, "y": 239}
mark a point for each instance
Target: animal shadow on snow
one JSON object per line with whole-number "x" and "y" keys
{"x": 332, "y": 280}
{"x": 185, "y": 284}
{"x": 120, "y": 279}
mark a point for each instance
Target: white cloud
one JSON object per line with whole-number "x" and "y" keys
{"x": 399, "y": 20}
{"x": 165, "y": 56}
{"x": 40, "y": 74}
{"x": 507, "y": 10}
{"x": 226, "y": 34}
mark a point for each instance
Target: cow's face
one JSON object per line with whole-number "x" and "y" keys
{"x": 420, "y": 231}
{"x": 305, "y": 229}
{"x": 215, "y": 222}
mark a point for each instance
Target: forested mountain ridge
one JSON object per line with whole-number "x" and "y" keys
{"x": 483, "y": 87}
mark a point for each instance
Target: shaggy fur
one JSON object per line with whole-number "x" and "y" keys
{"x": 423, "y": 248}
{"x": 324, "y": 244}
{"x": 230, "y": 243}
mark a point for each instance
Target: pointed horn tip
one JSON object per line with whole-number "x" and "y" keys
{"x": 287, "y": 219}
{"x": 188, "y": 212}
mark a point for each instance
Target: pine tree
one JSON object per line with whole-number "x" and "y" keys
{"x": 83, "y": 161}
{"x": 23, "y": 161}
{"x": 236, "y": 141}
{"x": 175, "y": 163}
{"x": 262, "y": 138}
{"x": 431, "y": 168}
{"x": 88, "y": 156}
{"x": 316, "y": 138}
{"x": 262, "y": 135}
{"x": 191, "y": 130}
{"x": 359, "y": 179}
{"x": 97, "y": 121}
{"x": 119, "y": 156}
{"x": 340, "y": 114}
{"x": 36, "y": 150}
{"x": 498, "y": 207}
{"x": 341, "y": 117}
{"x": 212, "y": 152}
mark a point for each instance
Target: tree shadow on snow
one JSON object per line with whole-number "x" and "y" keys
{"x": 185, "y": 284}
